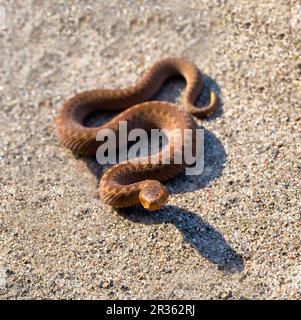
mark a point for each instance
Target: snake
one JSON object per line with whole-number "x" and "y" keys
{"x": 137, "y": 182}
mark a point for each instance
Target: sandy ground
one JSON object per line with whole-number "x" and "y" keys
{"x": 232, "y": 232}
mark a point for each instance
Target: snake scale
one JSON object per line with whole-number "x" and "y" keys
{"x": 130, "y": 183}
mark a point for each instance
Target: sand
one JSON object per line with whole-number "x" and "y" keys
{"x": 232, "y": 232}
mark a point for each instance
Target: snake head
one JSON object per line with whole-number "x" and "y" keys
{"x": 153, "y": 195}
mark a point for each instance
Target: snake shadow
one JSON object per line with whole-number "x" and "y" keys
{"x": 208, "y": 242}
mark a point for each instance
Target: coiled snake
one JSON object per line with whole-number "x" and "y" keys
{"x": 130, "y": 183}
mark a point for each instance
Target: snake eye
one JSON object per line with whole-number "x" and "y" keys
{"x": 153, "y": 196}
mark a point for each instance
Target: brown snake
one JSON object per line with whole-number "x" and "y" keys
{"x": 133, "y": 182}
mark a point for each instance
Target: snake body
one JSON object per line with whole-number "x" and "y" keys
{"x": 137, "y": 181}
